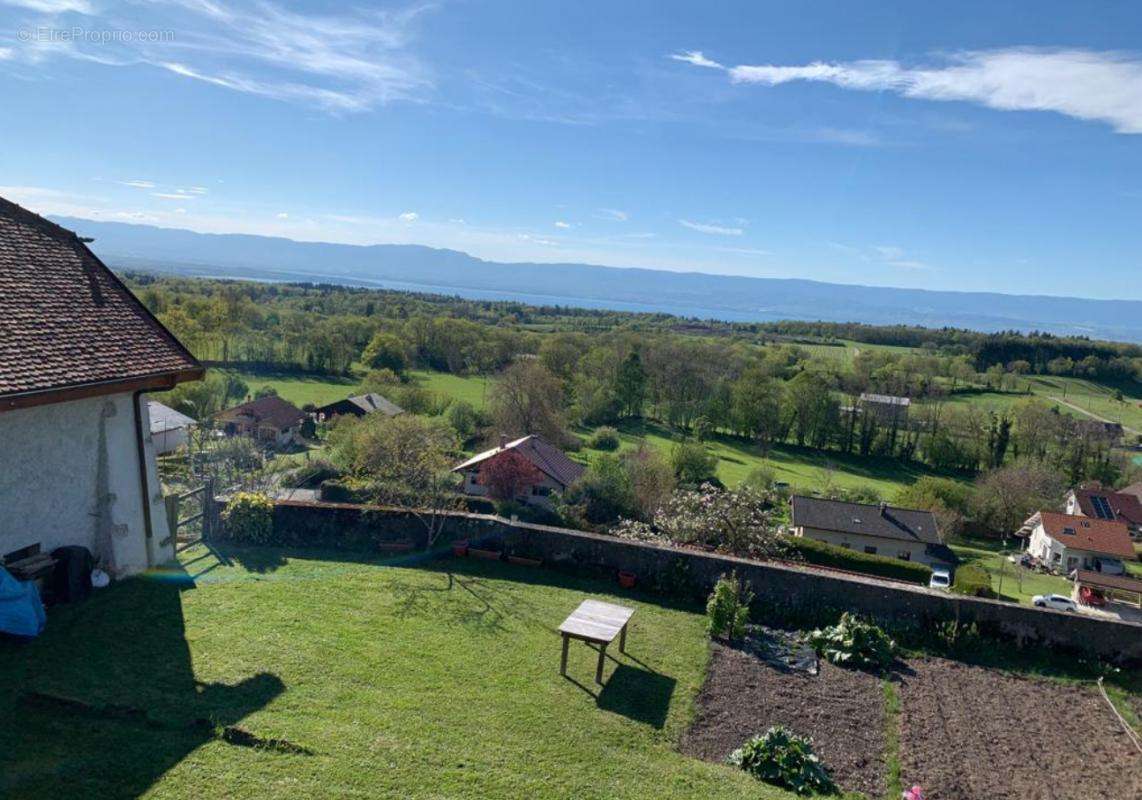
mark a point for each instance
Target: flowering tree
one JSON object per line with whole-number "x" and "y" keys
{"x": 738, "y": 521}
{"x": 509, "y": 475}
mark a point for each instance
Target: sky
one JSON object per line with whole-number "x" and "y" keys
{"x": 977, "y": 146}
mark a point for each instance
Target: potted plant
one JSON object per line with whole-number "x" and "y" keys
{"x": 460, "y": 548}
{"x": 524, "y": 556}
{"x": 627, "y": 580}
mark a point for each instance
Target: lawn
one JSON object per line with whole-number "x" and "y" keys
{"x": 300, "y": 389}
{"x": 471, "y": 389}
{"x": 288, "y": 675}
{"x": 801, "y": 468}
{"x": 1017, "y": 583}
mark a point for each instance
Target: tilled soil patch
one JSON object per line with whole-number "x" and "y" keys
{"x": 969, "y": 733}
{"x": 843, "y": 710}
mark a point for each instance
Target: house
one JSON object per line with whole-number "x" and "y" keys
{"x": 1134, "y": 489}
{"x": 170, "y": 429}
{"x": 904, "y": 533}
{"x": 1100, "y": 503}
{"x": 888, "y": 408}
{"x": 358, "y": 405}
{"x": 1109, "y": 433}
{"x": 1069, "y": 542}
{"x": 268, "y": 419}
{"x": 558, "y": 471}
{"x": 77, "y": 353}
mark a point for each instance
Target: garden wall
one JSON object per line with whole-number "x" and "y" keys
{"x": 791, "y": 592}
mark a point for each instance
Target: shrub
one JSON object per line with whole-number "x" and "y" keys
{"x": 249, "y": 518}
{"x": 692, "y": 463}
{"x": 605, "y": 438}
{"x": 310, "y": 475}
{"x": 525, "y": 512}
{"x": 727, "y": 610}
{"x": 830, "y": 555}
{"x": 973, "y": 580}
{"x": 854, "y": 642}
{"x": 784, "y": 759}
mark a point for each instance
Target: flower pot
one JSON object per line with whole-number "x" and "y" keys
{"x": 524, "y": 561}
{"x": 460, "y": 548}
{"x": 487, "y": 555}
{"x": 627, "y": 579}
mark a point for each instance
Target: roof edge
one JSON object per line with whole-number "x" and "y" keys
{"x": 159, "y": 381}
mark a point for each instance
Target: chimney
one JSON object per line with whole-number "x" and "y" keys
{"x": 883, "y": 509}
{"x": 503, "y": 440}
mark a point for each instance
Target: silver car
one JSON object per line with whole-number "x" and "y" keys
{"x": 1056, "y": 601}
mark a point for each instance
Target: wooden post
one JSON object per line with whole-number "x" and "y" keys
{"x": 209, "y": 510}
{"x": 623, "y": 640}
{"x": 599, "y": 669}
{"x": 563, "y": 662}
{"x": 171, "y": 503}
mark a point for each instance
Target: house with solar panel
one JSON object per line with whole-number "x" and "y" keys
{"x": 78, "y": 352}
{"x": 1100, "y": 503}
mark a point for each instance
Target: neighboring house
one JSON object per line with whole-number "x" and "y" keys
{"x": 1110, "y": 433}
{"x": 268, "y": 419}
{"x": 883, "y": 530}
{"x": 888, "y": 408}
{"x": 1134, "y": 489}
{"x": 170, "y": 429}
{"x": 77, "y": 351}
{"x": 1069, "y": 542}
{"x": 359, "y": 405}
{"x": 558, "y": 470}
{"x": 1105, "y": 504}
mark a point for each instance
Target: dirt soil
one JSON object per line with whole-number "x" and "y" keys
{"x": 843, "y": 710}
{"x": 969, "y": 733}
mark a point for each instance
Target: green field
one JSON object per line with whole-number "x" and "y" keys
{"x": 302, "y": 389}
{"x": 1009, "y": 580}
{"x": 471, "y": 389}
{"x": 274, "y": 674}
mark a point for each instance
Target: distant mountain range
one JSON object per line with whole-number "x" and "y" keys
{"x": 690, "y": 294}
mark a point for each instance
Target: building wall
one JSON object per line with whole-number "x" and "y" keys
{"x": 858, "y": 542}
{"x": 169, "y": 440}
{"x": 69, "y": 474}
{"x": 1047, "y": 547}
{"x": 473, "y": 487}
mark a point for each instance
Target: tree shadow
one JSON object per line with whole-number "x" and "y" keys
{"x": 638, "y": 694}
{"x": 107, "y": 701}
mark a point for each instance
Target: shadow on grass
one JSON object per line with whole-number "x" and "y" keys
{"x": 106, "y": 700}
{"x": 638, "y": 694}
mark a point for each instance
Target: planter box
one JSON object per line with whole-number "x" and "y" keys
{"x": 488, "y": 555}
{"x": 395, "y": 547}
{"x": 460, "y": 548}
{"x": 627, "y": 580}
{"x": 523, "y": 561}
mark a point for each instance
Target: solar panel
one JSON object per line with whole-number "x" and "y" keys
{"x": 1101, "y": 506}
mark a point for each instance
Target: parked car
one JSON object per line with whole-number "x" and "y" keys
{"x": 1091, "y": 597}
{"x": 1056, "y": 601}
{"x": 941, "y": 578}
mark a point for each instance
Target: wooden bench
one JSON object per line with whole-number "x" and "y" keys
{"x": 596, "y": 623}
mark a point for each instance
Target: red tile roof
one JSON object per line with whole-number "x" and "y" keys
{"x": 268, "y": 410}
{"x": 1085, "y": 533}
{"x": 549, "y": 458}
{"x": 68, "y": 326}
{"x": 1125, "y": 507}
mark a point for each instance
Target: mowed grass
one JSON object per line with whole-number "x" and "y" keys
{"x": 276, "y": 675}
{"x": 1010, "y": 580}
{"x": 300, "y": 389}
{"x": 471, "y": 389}
{"x": 801, "y": 468}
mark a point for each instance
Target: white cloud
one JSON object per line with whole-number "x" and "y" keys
{"x": 282, "y": 215}
{"x": 139, "y": 184}
{"x": 179, "y": 195}
{"x": 744, "y": 251}
{"x": 52, "y": 6}
{"x": 889, "y": 252}
{"x": 196, "y": 190}
{"x": 340, "y": 62}
{"x": 7, "y": 53}
{"x": 561, "y": 224}
{"x": 696, "y": 58}
{"x": 409, "y": 217}
{"x": 614, "y": 214}
{"x": 714, "y": 230}
{"x": 1099, "y": 86}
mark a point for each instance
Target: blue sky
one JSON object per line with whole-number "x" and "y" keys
{"x": 982, "y": 146}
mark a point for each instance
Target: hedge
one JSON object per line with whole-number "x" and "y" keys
{"x": 830, "y": 555}
{"x": 973, "y": 580}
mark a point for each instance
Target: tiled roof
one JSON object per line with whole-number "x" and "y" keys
{"x": 165, "y": 418}
{"x": 1100, "y": 580}
{"x": 549, "y": 458}
{"x": 67, "y": 322}
{"x": 1119, "y": 505}
{"x": 887, "y": 522}
{"x": 1085, "y": 533}
{"x": 268, "y": 410}
{"x": 372, "y": 401}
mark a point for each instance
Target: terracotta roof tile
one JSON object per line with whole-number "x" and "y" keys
{"x": 66, "y": 321}
{"x": 1085, "y": 533}
{"x": 270, "y": 409}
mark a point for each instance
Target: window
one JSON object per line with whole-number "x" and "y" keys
{"x": 868, "y": 548}
{"x": 904, "y": 555}
{"x": 541, "y": 491}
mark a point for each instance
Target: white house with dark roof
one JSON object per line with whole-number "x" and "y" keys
{"x": 77, "y": 352}
{"x": 558, "y": 471}
{"x": 882, "y": 530}
{"x": 170, "y": 429}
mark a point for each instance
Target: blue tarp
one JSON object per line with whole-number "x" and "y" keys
{"x": 21, "y": 612}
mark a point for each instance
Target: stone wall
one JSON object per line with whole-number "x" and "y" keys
{"x": 794, "y": 592}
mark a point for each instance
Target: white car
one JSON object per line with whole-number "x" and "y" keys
{"x": 1055, "y": 601}
{"x": 941, "y": 579}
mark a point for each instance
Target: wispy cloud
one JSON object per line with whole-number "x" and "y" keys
{"x": 408, "y": 217}
{"x": 138, "y": 184}
{"x": 178, "y": 195}
{"x": 696, "y": 58}
{"x": 1089, "y": 85}
{"x": 563, "y": 225}
{"x": 714, "y": 230}
{"x": 613, "y": 214}
{"x": 341, "y": 62}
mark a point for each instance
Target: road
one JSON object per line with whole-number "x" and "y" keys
{"x": 1082, "y": 410}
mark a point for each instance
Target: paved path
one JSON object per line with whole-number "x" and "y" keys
{"x": 1092, "y": 415}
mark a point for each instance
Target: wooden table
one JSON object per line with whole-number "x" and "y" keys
{"x": 597, "y": 623}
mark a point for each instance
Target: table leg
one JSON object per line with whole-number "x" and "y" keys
{"x": 599, "y": 669}
{"x": 563, "y": 662}
{"x": 623, "y": 640}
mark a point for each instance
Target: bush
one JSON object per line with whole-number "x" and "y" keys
{"x": 342, "y": 491}
{"x": 727, "y": 610}
{"x": 854, "y": 642}
{"x": 605, "y": 438}
{"x": 249, "y": 518}
{"x": 524, "y": 512}
{"x": 310, "y": 475}
{"x": 693, "y": 464}
{"x": 973, "y": 580}
{"x": 784, "y": 759}
{"x": 830, "y": 555}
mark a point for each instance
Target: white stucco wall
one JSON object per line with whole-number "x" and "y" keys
{"x": 69, "y": 474}
{"x": 891, "y": 548}
{"x": 169, "y": 440}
